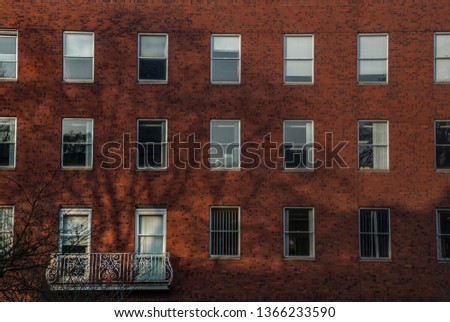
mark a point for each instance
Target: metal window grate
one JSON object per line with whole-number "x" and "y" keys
{"x": 224, "y": 231}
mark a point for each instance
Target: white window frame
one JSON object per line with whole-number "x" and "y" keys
{"x": 439, "y": 234}
{"x": 74, "y": 80}
{"x": 150, "y": 211}
{"x": 11, "y": 34}
{"x": 436, "y": 58}
{"x": 387, "y": 146}
{"x": 312, "y": 149}
{"x": 12, "y": 226}
{"x": 222, "y": 168}
{"x": 286, "y": 233}
{"x": 238, "y": 59}
{"x": 285, "y": 59}
{"x": 362, "y": 59}
{"x": 166, "y": 58}
{"x": 62, "y": 146}
{"x": 165, "y": 144}
{"x": 381, "y": 259}
{"x": 13, "y": 167}
{"x": 214, "y": 256}
{"x": 74, "y": 211}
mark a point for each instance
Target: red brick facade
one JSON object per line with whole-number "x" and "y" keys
{"x": 412, "y": 188}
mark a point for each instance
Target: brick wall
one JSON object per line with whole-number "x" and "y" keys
{"x": 412, "y": 188}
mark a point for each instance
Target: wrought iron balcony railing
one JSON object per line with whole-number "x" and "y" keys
{"x": 115, "y": 271}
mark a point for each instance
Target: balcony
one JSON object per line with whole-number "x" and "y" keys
{"x": 109, "y": 271}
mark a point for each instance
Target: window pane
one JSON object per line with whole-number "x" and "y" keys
{"x": 442, "y": 45}
{"x": 151, "y": 131}
{"x": 296, "y": 158}
{"x": 299, "y": 244}
{"x": 444, "y": 221}
{"x": 372, "y": 71}
{"x": 443, "y": 157}
{"x": 365, "y": 130}
{"x": 372, "y": 47}
{"x": 78, "y": 45}
{"x": 442, "y": 132}
{"x": 298, "y": 71}
{"x": 153, "y": 46}
{"x": 150, "y": 225}
{"x": 152, "y": 69}
{"x": 224, "y": 132}
{"x": 298, "y": 220}
{"x": 298, "y": 47}
{"x": 443, "y": 70}
{"x": 444, "y": 245}
{"x": 77, "y": 130}
{"x": 225, "y": 70}
{"x": 151, "y": 245}
{"x": 6, "y": 155}
{"x": 365, "y": 157}
{"x": 225, "y": 47}
{"x": 77, "y": 155}
{"x": 7, "y": 70}
{"x": 7, "y": 130}
{"x": 8, "y": 48}
{"x": 6, "y": 214}
{"x": 296, "y": 132}
{"x": 77, "y": 68}
{"x": 226, "y": 155}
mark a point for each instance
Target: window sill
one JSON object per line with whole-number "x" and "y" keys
{"x": 152, "y": 82}
{"x": 444, "y": 261}
{"x": 77, "y": 81}
{"x": 441, "y": 83}
{"x": 226, "y": 83}
{"x": 77, "y": 168}
{"x": 152, "y": 169}
{"x": 217, "y": 257}
{"x": 8, "y": 168}
{"x": 373, "y": 83}
{"x": 442, "y": 170}
{"x": 299, "y": 258}
{"x": 225, "y": 169}
{"x": 382, "y": 260}
{"x": 298, "y": 84}
{"x": 374, "y": 171}
{"x": 299, "y": 170}
{"x": 10, "y": 80}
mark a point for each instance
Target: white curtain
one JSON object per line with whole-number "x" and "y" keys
{"x": 151, "y": 234}
{"x": 380, "y": 149}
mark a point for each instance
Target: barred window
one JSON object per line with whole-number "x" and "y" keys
{"x": 224, "y": 232}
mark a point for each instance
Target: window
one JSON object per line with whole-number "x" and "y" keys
{"x": 442, "y": 57}
{"x": 7, "y": 142}
{"x": 372, "y": 58}
{"x": 78, "y": 56}
{"x": 443, "y": 234}
{"x": 298, "y": 58}
{"x": 442, "y": 144}
{"x": 299, "y": 232}
{"x": 150, "y": 244}
{"x": 374, "y": 234}
{"x": 153, "y": 53}
{"x": 75, "y": 231}
{"x": 225, "y": 144}
{"x": 298, "y": 145}
{"x": 224, "y": 232}
{"x": 6, "y": 229}
{"x": 225, "y": 59}
{"x": 152, "y": 144}
{"x": 373, "y": 145}
{"x": 8, "y": 55}
{"x": 77, "y": 143}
